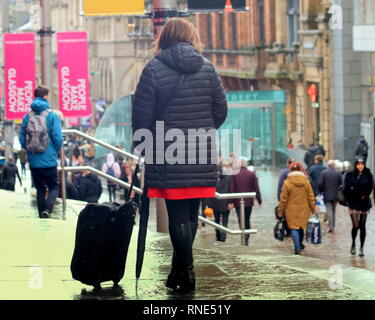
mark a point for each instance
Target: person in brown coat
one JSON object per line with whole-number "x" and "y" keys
{"x": 297, "y": 201}
{"x": 245, "y": 181}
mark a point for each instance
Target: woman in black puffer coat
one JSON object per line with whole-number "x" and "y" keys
{"x": 179, "y": 89}
{"x": 358, "y": 186}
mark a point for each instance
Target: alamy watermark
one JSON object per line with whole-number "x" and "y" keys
{"x": 188, "y": 147}
{"x": 36, "y": 278}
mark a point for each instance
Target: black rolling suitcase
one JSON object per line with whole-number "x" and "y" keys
{"x": 102, "y": 240}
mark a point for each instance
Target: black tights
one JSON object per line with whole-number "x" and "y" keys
{"x": 359, "y": 223}
{"x": 183, "y": 211}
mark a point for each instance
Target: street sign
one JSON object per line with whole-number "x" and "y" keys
{"x": 274, "y": 96}
{"x": 113, "y": 7}
{"x": 216, "y": 5}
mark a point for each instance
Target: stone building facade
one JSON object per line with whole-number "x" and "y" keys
{"x": 360, "y": 35}
{"x": 282, "y": 44}
{"x": 276, "y": 45}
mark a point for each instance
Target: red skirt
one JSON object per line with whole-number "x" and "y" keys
{"x": 182, "y": 193}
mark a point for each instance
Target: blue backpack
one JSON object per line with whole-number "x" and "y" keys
{"x": 110, "y": 172}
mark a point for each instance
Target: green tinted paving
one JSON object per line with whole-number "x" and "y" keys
{"x": 36, "y": 257}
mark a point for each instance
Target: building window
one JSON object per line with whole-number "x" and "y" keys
{"x": 131, "y": 25}
{"x": 209, "y": 40}
{"x": 293, "y": 22}
{"x": 234, "y": 31}
{"x": 232, "y": 60}
{"x": 219, "y": 59}
{"x": 221, "y": 31}
{"x": 262, "y": 38}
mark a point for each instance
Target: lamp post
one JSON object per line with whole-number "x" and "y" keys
{"x": 46, "y": 33}
{"x": 162, "y": 11}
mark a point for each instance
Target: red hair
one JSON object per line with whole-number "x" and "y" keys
{"x": 297, "y": 166}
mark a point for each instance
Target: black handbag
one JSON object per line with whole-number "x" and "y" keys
{"x": 279, "y": 230}
{"x": 341, "y": 196}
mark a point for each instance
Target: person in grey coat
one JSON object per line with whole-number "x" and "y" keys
{"x": 329, "y": 182}
{"x": 221, "y": 207}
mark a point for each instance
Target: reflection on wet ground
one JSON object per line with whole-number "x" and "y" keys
{"x": 36, "y": 259}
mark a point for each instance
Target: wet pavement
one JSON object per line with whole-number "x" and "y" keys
{"x": 36, "y": 256}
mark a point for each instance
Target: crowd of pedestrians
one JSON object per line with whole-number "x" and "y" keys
{"x": 355, "y": 182}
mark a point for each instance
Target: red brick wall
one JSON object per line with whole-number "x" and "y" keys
{"x": 270, "y": 21}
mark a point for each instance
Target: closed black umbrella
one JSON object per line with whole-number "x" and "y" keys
{"x": 144, "y": 214}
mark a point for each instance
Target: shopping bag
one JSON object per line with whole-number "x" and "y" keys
{"x": 279, "y": 230}
{"x": 209, "y": 212}
{"x": 320, "y": 203}
{"x": 314, "y": 234}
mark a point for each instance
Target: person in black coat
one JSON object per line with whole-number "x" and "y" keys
{"x": 313, "y": 151}
{"x": 329, "y": 182}
{"x": 358, "y": 186}
{"x": 221, "y": 207}
{"x": 10, "y": 172}
{"x": 308, "y": 158}
{"x": 362, "y": 148}
{"x": 315, "y": 171}
{"x": 71, "y": 191}
{"x": 179, "y": 89}
{"x": 90, "y": 187}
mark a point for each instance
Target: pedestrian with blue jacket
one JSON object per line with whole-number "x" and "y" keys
{"x": 41, "y": 137}
{"x": 283, "y": 176}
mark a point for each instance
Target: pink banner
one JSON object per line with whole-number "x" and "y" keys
{"x": 19, "y": 55}
{"x": 74, "y": 121}
{"x": 74, "y": 90}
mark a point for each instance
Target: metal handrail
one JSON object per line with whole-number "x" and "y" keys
{"x": 101, "y": 143}
{"x": 104, "y": 175}
{"x": 140, "y": 192}
{"x": 226, "y": 230}
{"x": 241, "y": 196}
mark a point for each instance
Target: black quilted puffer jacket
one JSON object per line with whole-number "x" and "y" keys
{"x": 198, "y": 103}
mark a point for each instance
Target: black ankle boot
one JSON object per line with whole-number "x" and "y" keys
{"x": 174, "y": 275}
{"x": 182, "y": 236}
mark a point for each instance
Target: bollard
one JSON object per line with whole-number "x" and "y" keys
{"x": 63, "y": 182}
{"x": 242, "y": 220}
